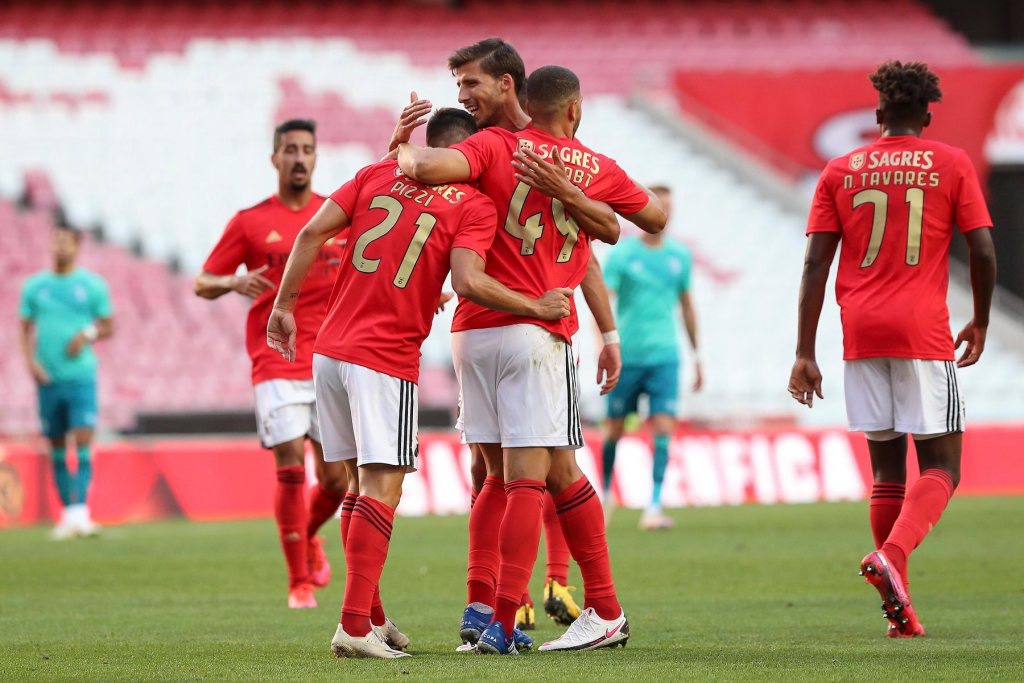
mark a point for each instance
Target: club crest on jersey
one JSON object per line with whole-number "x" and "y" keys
{"x": 274, "y": 236}
{"x": 857, "y": 161}
{"x": 525, "y": 144}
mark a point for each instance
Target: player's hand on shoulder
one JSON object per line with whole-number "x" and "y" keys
{"x": 805, "y": 381}
{"x": 413, "y": 116}
{"x": 281, "y": 333}
{"x": 554, "y": 304}
{"x": 974, "y": 335}
{"x": 253, "y": 283}
{"x": 546, "y": 176}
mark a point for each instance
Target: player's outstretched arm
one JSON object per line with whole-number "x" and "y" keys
{"x": 805, "y": 378}
{"x": 433, "y": 165}
{"x": 609, "y": 361}
{"x": 652, "y": 218}
{"x": 471, "y": 282}
{"x": 251, "y": 284}
{"x": 328, "y": 222}
{"x": 983, "y": 282}
{"x": 549, "y": 177}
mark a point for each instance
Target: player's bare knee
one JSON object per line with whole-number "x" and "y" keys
{"x": 564, "y": 472}
{"x": 333, "y": 478}
{"x": 614, "y": 428}
{"x": 290, "y": 453}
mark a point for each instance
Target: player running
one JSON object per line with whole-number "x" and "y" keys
{"x": 893, "y": 204}
{"x": 404, "y": 239}
{"x": 66, "y": 309}
{"x": 518, "y": 377}
{"x": 491, "y": 77}
{"x": 649, "y": 275}
{"x": 261, "y": 237}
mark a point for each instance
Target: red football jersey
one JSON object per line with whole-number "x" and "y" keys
{"x": 895, "y": 203}
{"x": 537, "y": 245}
{"x": 263, "y": 236}
{"x": 395, "y": 263}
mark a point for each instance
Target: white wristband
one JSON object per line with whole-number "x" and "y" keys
{"x": 610, "y": 337}
{"x": 90, "y": 332}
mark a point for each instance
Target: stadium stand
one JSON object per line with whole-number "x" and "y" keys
{"x": 120, "y": 118}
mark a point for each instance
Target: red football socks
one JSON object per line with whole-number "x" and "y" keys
{"x": 290, "y": 512}
{"x": 884, "y": 509}
{"x": 922, "y": 509}
{"x": 582, "y": 517}
{"x": 555, "y": 547}
{"x": 322, "y": 506}
{"x": 517, "y": 545}
{"x": 366, "y": 551}
{"x": 348, "y": 503}
{"x": 482, "y": 577}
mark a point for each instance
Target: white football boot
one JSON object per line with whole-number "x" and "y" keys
{"x": 372, "y": 645}
{"x": 590, "y": 632}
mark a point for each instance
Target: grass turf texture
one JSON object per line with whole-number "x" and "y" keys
{"x": 731, "y": 593}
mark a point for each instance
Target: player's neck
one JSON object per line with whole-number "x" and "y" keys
{"x": 557, "y": 129}
{"x": 513, "y": 118}
{"x": 894, "y": 130}
{"x": 293, "y": 199}
{"x": 63, "y": 268}
{"x": 652, "y": 241}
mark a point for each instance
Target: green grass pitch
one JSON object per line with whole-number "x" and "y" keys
{"x": 731, "y": 593}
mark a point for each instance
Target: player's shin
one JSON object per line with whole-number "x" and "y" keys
{"x": 366, "y": 551}
{"x": 517, "y": 545}
{"x": 582, "y": 517}
{"x": 484, "y": 518}
{"x": 291, "y": 515}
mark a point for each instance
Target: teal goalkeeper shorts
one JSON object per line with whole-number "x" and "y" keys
{"x": 659, "y": 382}
{"x": 64, "y": 406}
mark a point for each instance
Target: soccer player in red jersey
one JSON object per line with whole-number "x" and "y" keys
{"x": 893, "y": 205}
{"x": 261, "y": 237}
{"x": 404, "y": 238}
{"x": 518, "y": 377}
{"x": 491, "y": 76}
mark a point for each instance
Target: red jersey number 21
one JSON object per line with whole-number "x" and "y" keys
{"x": 425, "y": 223}
{"x": 880, "y": 205}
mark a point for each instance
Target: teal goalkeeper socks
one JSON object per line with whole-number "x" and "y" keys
{"x": 62, "y": 477}
{"x": 660, "y": 464}
{"x": 608, "y": 462}
{"x": 84, "y": 475}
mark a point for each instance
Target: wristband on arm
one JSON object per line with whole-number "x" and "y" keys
{"x": 90, "y": 332}
{"x": 611, "y": 337}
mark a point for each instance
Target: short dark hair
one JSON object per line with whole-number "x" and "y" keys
{"x": 496, "y": 58}
{"x": 906, "y": 90}
{"x": 75, "y": 232}
{"x": 288, "y": 126}
{"x": 449, "y": 126}
{"x": 549, "y": 88}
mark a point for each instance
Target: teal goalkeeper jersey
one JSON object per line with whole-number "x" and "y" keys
{"x": 60, "y": 306}
{"x": 648, "y": 282}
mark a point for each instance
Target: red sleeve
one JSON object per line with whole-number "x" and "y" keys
{"x": 617, "y": 190}
{"x": 480, "y": 150}
{"x": 824, "y": 217}
{"x": 346, "y": 195}
{"x": 230, "y": 250}
{"x": 971, "y": 210}
{"x": 478, "y": 222}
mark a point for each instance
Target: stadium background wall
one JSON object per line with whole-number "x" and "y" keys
{"x": 230, "y": 478}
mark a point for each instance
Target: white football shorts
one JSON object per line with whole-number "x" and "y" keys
{"x": 366, "y": 414}
{"x": 285, "y": 411}
{"x": 908, "y": 396}
{"x": 517, "y": 387}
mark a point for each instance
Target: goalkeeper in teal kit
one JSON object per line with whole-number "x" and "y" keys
{"x": 650, "y": 276}
{"x": 63, "y": 311}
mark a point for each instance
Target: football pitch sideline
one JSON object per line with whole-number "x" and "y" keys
{"x": 731, "y": 593}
